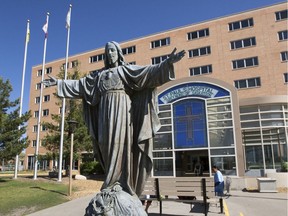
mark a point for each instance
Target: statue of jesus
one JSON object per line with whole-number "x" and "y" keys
{"x": 120, "y": 111}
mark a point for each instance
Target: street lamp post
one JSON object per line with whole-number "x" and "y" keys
{"x": 72, "y": 126}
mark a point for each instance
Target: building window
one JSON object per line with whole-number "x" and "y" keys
{"x": 44, "y": 128}
{"x": 247, "y": 83}
{"x": 35, "y": 127}
{"x": 60, "y": 110}
{"x": 48, "y": 70}
{"x": 284, "y": 56}
{"x": 199, "y": 52}
{"x": 263, "y": 128}
{"x": 36, "y": 114}
{"x": 157, "y": 60}
{"x": 281, "y": 15}
{"x": 34, "y": 143}
{"x": 45, "y": 112}
{"x": 74, "y": 63}
{"x": 243, "y": 63}
{"x": 96, "y": 58}
{"x": 46, "y": 98}
{"x": 198, "y": 34}
{"x": 159, "y": 43}
{"x": 248, "y": 42}
{"x": 206, "y": 69}
{"x": 282, "y": 35}
{"x": 37, "y": 100}
{"x": 129, "y": 50}
{"x": 38, "y": 86}
{"x": 241, "y": 24}
{"x": 39, "y": 73}
{"x": 285, "y": 77}
{"x": 63, "y": 66}
{"x": 190, "y": 129}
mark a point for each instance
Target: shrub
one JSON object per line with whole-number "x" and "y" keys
{"x": 284, "y": 166}
{"x": 91, "y": 167}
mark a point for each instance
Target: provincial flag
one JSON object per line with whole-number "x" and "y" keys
{"x": 45, "y": 29}
{"x": 68, "y": 18}
{"x": 28, "y": 35}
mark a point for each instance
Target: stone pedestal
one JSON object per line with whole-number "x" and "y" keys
{"x": 267, "y": 185}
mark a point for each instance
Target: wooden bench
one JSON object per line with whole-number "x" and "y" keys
{"x": 151, "y": 190}
{"x": 181, "y": 189}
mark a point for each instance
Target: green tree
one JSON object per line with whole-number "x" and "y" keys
{"x": 82, "y": 140}
{"x": 12, "y": 127}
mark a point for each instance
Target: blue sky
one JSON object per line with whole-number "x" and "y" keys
{"x": 93, "y": 23}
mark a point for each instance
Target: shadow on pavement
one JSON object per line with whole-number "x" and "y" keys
{"x": 199, "y": 208}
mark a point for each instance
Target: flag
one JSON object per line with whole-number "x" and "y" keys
{"x": 68, "y": 17}
{"x": 28, "y": 35}
{"x": 45, "y": 29}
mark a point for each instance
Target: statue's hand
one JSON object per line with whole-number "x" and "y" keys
{"x": 175, "y": 57}
{"x": 52, "y": 81}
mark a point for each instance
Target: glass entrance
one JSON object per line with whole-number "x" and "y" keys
{"x": 192, "y": 163}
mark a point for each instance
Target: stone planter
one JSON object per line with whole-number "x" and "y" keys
{"x": 267, "y": 185}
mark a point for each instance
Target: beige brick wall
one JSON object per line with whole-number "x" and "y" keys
{"x": 267, "y": 49}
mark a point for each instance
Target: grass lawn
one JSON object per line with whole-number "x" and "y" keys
{"x": 22, "y": 196}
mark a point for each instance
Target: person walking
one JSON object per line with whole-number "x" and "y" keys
{"x": 218, "y": 181}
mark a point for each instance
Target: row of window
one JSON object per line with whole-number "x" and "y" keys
{"x": 243, "y": 83}
{"x": 46, "y": 98}
{"x": 38, "y": 86}
{"x": 72, "y": 64}
{"x": 48, "y": 70}
{"x": 240, "y": 63}
{"x": 268, "y": 115}
{"x": 279, "y": 15}
{"x": 247, "y": 83}
{"x": 236, "y": 64}
{"x": 43, "y": 128}
{"x": 253, "y": 82}
{"x": 45, "y": 112}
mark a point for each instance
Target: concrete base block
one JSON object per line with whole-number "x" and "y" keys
{"x": 267, "y": 185}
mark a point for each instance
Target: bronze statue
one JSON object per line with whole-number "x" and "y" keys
{"x": 120, "y": 111}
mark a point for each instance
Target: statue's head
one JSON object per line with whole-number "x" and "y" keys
{"x": 113, "y": 55}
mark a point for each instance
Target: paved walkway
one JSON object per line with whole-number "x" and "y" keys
{"x": 239, "y": 203}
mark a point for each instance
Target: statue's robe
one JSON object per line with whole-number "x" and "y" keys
{"x": 120, "y": 110}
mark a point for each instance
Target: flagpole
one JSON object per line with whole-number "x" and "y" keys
{"x": 63, "y": 100}
{"x": 22, "y": 91}
{"x": 40, "y": 102}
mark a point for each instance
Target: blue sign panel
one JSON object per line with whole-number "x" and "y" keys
{"x": 189, "y": 119}
{"x": 202, "y": 90}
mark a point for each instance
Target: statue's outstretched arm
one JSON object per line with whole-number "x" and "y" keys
{"x": 175, "y": 57}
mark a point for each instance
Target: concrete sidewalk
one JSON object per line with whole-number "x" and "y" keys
{"x": 238, "y": 203}
{"x": 77, "y": 208}
{"x": 256, "y": 204}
